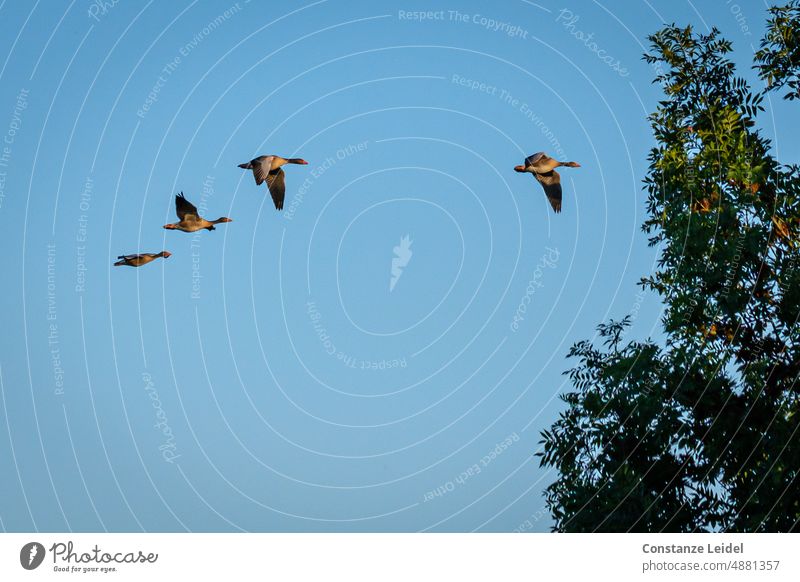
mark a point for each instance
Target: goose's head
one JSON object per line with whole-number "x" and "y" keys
{"x": 166, "y": 254}
{"x": 519, "y": 168}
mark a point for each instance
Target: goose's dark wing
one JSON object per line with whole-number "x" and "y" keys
{"x": 551, "y": 182}
{"x": 534, "y": 158}
{"x": 261, "y": 168}
{"x": 277, "y": 187}
{"x": 185, "y": 209}
{"x": 128, "y": 257}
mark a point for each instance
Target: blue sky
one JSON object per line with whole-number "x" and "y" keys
{"x": 267, "y": 377}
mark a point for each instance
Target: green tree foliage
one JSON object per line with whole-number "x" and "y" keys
{"x": 779, "y": 57}
{"x": 698, "y": 432}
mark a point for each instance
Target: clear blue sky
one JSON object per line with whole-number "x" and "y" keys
{"x": 266, "y": 377}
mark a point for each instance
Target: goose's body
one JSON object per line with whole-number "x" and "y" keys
{"x": 190, "y": 220}
{"x": 268, "y": 169}
{"x": 543, "y": 168}
{"x": 141, "y": 259}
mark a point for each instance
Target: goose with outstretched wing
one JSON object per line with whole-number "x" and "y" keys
{"x": 140, "y": 259}
{"x": 189, "y": 219}
{"x": 268, "y": 169}
{"x": 543, "y": 168}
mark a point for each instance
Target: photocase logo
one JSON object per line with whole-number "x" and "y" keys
{"x": 402, "y": 256}
{"x": 31, "y": 555}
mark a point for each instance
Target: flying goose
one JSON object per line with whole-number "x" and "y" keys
{"x": 190, "y": 221}
{"x": 543, "y": 168}
{"x": 139, "y": 260}
{"x": 268, "y": 169}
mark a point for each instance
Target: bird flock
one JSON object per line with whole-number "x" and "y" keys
{"x": 269, "y": 169}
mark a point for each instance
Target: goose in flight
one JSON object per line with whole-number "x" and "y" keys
{"x": 139, "y": 260}
{"x": 190, "y": 221}
{"x": 543, "y": 168}
{"x": 268, "y": 169}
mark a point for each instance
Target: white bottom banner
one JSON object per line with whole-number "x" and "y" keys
{"x": 419, "y": 557}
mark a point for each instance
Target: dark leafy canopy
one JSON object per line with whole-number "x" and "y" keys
{"x": 700, "y": 433}
{"x": 779, "y": 57}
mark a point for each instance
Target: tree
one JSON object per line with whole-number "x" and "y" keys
{"x": 779, "y": 57}
{"x": 698, "y": 432}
